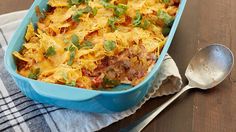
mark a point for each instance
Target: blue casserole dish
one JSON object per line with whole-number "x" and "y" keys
{"x": 119, "y": 99}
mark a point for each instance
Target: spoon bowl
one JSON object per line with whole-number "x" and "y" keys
{"x": 210, "y": 66}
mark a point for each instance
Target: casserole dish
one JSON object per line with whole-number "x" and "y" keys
{"x": 115, "y": 100}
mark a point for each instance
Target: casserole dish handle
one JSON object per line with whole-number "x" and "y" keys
{"x": 63, "y": 92}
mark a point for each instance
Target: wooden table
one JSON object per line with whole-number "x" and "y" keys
{"x": 203, "y": 22}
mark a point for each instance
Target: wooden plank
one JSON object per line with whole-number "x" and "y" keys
{"x": 214, "y": 109}
{"x": 14, "y": 5}
{"x": 232, "y": 28}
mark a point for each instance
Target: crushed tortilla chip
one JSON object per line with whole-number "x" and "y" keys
{"x": 30, "y": 32}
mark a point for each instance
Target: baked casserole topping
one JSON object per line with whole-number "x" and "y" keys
{"x": 96, "y": 44}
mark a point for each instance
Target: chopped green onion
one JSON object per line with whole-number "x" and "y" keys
{"x": 74, "y": 39}
{"x": 72, "y": 55}
{"x": 106, "y": 4}
{"x": 87, "y": 45}
{"x": 67, "y": 48}
{"x": 87, "y": 9}
{"x": 34, "y": 74}
{"x": 72, "y": 83}
{"x": 166, "y": 1}
{"x": 120, "y": 10}
{"x": 77, "y": 2}
{"x": 138, "y": 22}
{"x": 77, "y": 15}
{"x": 165, "y": 31}
{"x": 171, "y": 22}
{"x": 145, "y": 24}
{"x": 137, "y": 19}
{"x": 110, "y": 83}
{"x": 112, "y": 22}
{"x": 95, "y": 11}
{"x": 50, "y": 51}
{"x": 70, "y": 48}
{"x": 80, "y": 12}
{"x": 165, "y": 17}
{"x": 91, "y": 10}
{"x": 109, "y": 45}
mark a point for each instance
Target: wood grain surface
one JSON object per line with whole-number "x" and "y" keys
{"x": 204, "y": 22}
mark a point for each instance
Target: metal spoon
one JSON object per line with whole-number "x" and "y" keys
{"x": 209, "y": 67}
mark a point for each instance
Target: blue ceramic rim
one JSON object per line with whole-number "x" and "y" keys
{"x": 152, "y": 73}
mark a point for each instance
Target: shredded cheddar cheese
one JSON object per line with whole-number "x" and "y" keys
{"x": 96, "y": 44}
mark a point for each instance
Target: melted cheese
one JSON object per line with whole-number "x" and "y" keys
{"x": 57, "y": 29}
{"x": 58, "y": 3}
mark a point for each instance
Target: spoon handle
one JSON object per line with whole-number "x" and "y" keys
{"x": 143, "y": 122}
